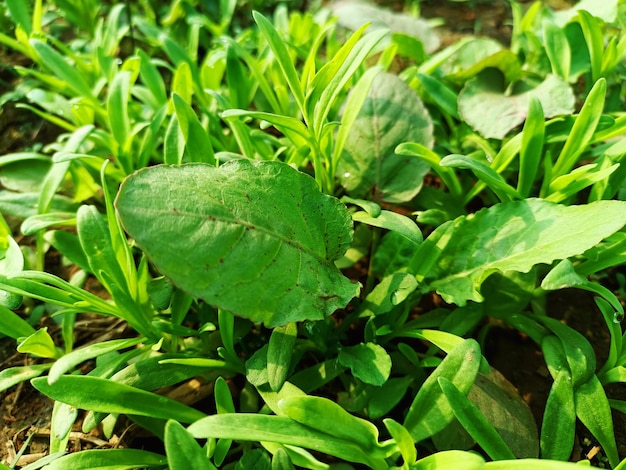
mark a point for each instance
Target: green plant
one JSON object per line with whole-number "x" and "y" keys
{"x": 224, "y": 246}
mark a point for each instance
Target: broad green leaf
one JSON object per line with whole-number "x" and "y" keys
{"x": 258, "y": 427}
{"x": 485, "y": 106}
{"x": 474, "y": 422}
{"x": 107, "y": 396}
{"x": 108, "y": 459}
{"x": 183, "y": 451}
{"x": 328, "y": 417}
{"x": 430, "y": 411}
{"x": 391, "y": 114}
{"x": 367, "y": 361}
{"x": 606, "y": 10}
{"x": 513, "y": 236}
{"x": 228, "y": 234}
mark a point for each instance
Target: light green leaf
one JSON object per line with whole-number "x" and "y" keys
{"x": 513, "y": 236}
{"x": 430, "y": 411}
{"x": 96, "y": 394}
{"x": 40, "y": 344}
{"x": 367, "y": 361}
{"x": 225, "y": 234}
{"x": 391, "y": 114}
{"x": 450, "y": 460}
{"x": 14, "y": 375}
{"x": 108, "y": 459}
{"x": 183, "y": 451}
{"x": 392, "y": 221}
{"x": 328, "y": 417}
{"x": 77, "y": 356}
{"x": 258, "y": 427}
{"x": 484, "y": 105}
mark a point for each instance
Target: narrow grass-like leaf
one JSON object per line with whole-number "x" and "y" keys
{"x": 559, "y": 419}
{"x": 450, "y": 459}
{"x": 474, "y": 422}
{"x": 260, "y": 224}
{"x": 282, "y": 56}
{"x": 582, "y": 131}
{"x": 441, "y": 94}
{"x": 328, "y": 417}
{"x": 403, "y": 439}
{"x": 107, "y": 396}
{"x": 594, "y": 411}
{"x": 595, "y": 41}
{"x": 117, "y": 109}
{"x": 532, "y": 147}
{"x": 580, "y": 356}
{"x": 14, "y": 375}
{"x": 392, "y": 221}
{"x": 183, "y": 451}
{"x": 484, "y": 173}
{"x": 279, "y": 352}
{"x": 197, "y": 141}
{"x": 108, "y": 459}
{"x": 11, "y": 324}
{"x": 558, "y": 49}
{"x": 257, "y": 427}
{"x": 64, "y": 71}
{"x": 430, "y": 411}
{"x": 77, "y": 356}
{"x": 447, "y": 174}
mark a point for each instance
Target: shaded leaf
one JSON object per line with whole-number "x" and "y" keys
{"x": 485, "y": 106}
{"x": 225, "y": 234}
{"x": 354, "y": 14}
{"x": 391, "y": 114}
